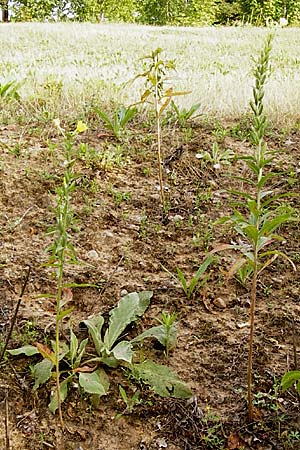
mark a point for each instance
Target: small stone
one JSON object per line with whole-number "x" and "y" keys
{"x": 177, "y": 218}
{"x": 162, "y": 443}
{"x": 243, "y": 325}
{"x": 220, "y": 303}
{"x": 108, "y": 234}
{"x": 92, "y": 254}
{"x": 123, "y": 292}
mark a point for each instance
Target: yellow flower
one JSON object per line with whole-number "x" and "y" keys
{"x": 81, "y": 127}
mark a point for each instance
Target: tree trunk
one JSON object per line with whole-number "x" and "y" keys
{"x": 4, "y": 11}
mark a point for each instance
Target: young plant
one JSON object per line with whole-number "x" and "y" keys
{"x": 111, "y": 351}
{"x": 217, "y": 157}
{"x": 120, "y": 119}
{"x": 9, "y": 90}
{"x": 189, "y": 288}
{"x": 62, "y": 250}
{"x": 159, "y": 97}
{"x": 183, "y": 115}
{"x": 258, "y": 226}
{"x": 130, "y": 402}
{"x": 165, "y": 333}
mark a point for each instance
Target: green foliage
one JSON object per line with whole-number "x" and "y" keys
{"x": 165, "y": 333}
{"x": 159, "y": 96}
{"x": 183, "y": 115}
{"x": 290, "y": 379}
{"x": 111, "y": 352}
{"x": 161, "y": 379}
{"x": 258, "y": 219}
{"x": 159, "y": 12}
{"x": 120, "y": 119}
{"x": 217, "y": 157}
{"x": 9, "y": 91}
{"x": 130, "y": 402}
{"x": 261, "y": 12}
{"x": 189, "y": 288}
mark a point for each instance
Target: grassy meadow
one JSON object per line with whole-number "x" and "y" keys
{"x": 66, "y": 68}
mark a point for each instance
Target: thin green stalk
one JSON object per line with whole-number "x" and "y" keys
{"x": 159, "y": 158}
{"x": 251, "y": 336}
{"x": 57, "y": 338}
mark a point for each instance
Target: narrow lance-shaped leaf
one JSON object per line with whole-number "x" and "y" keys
{"x": 199, "y": 273}
{"x": 95, "y": 325}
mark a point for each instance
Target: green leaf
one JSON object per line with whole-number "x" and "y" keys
{"x": 64, "y": 313}
{"x": 123, "y": 352}
{"x": 95, "y": 325}
{"x": 42, "y": 372}
{"x": 27, "y": 350}
{"x": 161, "y": 379}
{"x": 289, "y": 379}
{"x": 81, "y": 351}
{"x": 199, "y": 274}
{"x": 73, "y": 346}
{"x": 160, "y": 334}
{"x": 94, "y": 383}
{"x": 276, "y": 222}
{"x": 105, "y": 118}
{"x": 182, "y": 280}
{"x": 129, "y": 309}
{"x": 63, "y": 391}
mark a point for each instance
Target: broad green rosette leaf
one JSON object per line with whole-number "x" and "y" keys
{"x": 161, "y": 379}
{"x": 94, "y": 383}
{"x": 27, "y": 350}
{"x": 42, "y": 372}
{"x": 129, "y": 308}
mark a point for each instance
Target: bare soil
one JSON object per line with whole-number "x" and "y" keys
{"x": 124, "y": 241}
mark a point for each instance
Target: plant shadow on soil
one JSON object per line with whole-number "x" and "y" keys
{"x": 123, "y": 242}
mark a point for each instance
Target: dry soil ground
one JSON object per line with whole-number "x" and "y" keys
{"x": 123, "y": 242}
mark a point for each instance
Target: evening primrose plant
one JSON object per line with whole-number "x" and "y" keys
{"x": 62, "y": 253}
{"x": 258, "y": 216}
{"x": 89, "y": 370}
{"x": 159, "y": 96}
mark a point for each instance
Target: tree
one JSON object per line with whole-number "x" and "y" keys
{"x": 4, "y": 7}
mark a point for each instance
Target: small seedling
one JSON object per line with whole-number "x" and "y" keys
{"x": 217, "y": 157}
{"x": 130, "y": 402}
{"x": 183, "y": 115}
{"x": 119, "y": 121}
{"x": 168, "y": 321}
{"x": 189, "y": 288}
